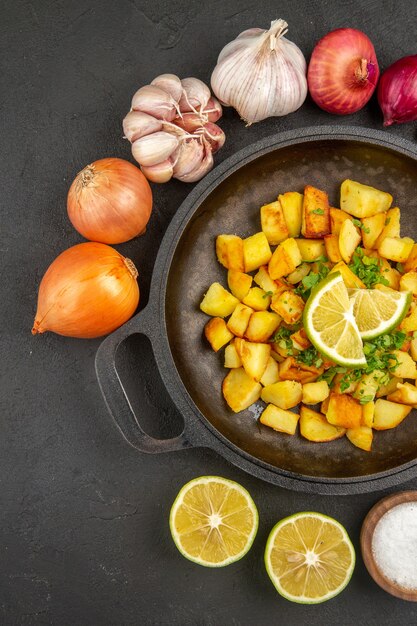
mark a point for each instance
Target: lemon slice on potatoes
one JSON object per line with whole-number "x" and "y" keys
{"x": 309, "y": 558}
{"x": 377, "y": 312}
{"x": 213, "y": 521}
{"x": 330, "y": 323}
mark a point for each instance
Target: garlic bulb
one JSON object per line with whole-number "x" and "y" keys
{"x": 261, "y": 74}
{"x": 172, "y": 129}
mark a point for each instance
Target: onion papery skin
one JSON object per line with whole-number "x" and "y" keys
{"x": 397, "y": 91}
{"x": 88, "y": 291}
{"x": 110, "y": 201}
{"x": 343, "y": 71}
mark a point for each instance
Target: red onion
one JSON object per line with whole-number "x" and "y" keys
{"x": 343, "y": 71}
{"x": 397, "y": 91}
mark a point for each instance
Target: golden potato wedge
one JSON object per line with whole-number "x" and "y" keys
{"x": 408, "y": 282}
{"x": 292, "y": 206}
{"x": 372, "y": 227}
{"x": 290, "y": 369}
{"x": 368, "y": 411}
{"x": 349, "y": 278}
{"x": 257, "y": 299}
{"x": 299, "y": 339}
{"x": 255, "y": 357}
{"x": 285, "y": 259}
{"x": 280, "y": 420}
{"x": 239, "y": 283}
{"x": 289, "y": 306}
{"x": 404, "y": 394}
{"x": 286, "y": 394}
{"x": 264, "y": 281}
{"x": 331, "y": 243}
{"x": 389, "y": 414}
{"x": 413, "y": 349}
{"x": 363, "y": 201}
{"x": 299, "y": 273}
{"x": 411, "y": 262}
{"x": 344, "y": 411}
{"x": 315, "y": 427}
{"x": 391, "y": 226}
{"x": 396, "y": 248}
{"x": 240, "y": 390}
{"x": 262, "y": 325}
{"x": 217, "y": 333}
{"x": 313, "y": 393}
{"x": 390, "y": 274}
{"x": 218, "y": 302}
{"x": 405, "y": 366}
{"x": 361, "y": 437}
{"x": 336, "y": 386}
{"x": 368, "y": 385}
{"x": 271, "y": 373}
{"x": 256, "y": 251}
{"x": 325, "y": 405}
{"x": 231, "y": 357}
{"x": 316, "y": 213}
{"x": 389, "y": 387}
{"x": 239, "y": 320}
{"x": 311, "y": 249}
{"x": 229, "y": 250}
{"x": 349, "y": 239}
{"x": 273, "y": 223}
{"x": 409, "y": 323}
{"x": 337, "y": 217}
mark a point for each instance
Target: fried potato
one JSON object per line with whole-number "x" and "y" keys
{"x": 316, "y": 213}
{"x": 391, "y": 226}
{"x": 285, "y": 259}
{"x": 262, "y": 325}
{"x": 217, "y": 333}
{"x": 286, "y": 394}
{"x": 344, "y": 411}
{"x": 337, "y": 217}
{"x": 408, "y": 282}
{"x": 411, "y": 262}
{"x": 255, "y": 357}
{"x": 299, "y": 273}
{"x": 264, "y": 281}
{"x": 404, "y": 394}
{"x": 368, "y": 411}
{"x": 292, "y": 206}
{"x": 256, "y": 251}
{"x": 273, "y": 223}
{"x": 404, "y": 367}
{"x": 396, "y": 248}
{"x": 229, "y": 250}
{"x": 349, "y": 239}
{"x": 389, "y": 414}
{"x": 239, "y": 320}
{"x": 331, "y": 243}
{"x": 311, "y": 249}
{"x": 313, "y": 393}
{"x": 290, "y": 369}
{"x": 231, "y": 357}
{"x": 361, "y": 437}
{"x": 372, "y": 227}
{"x": 218, "y": 302}
{"x": 279, "y": 419}
{"x": 271, "y": 373}
{"x": 240, "y": 390}
{"x": 349, "y": 278}
{"x": 257, "y": 299}
{"x": 239, "y": 283}
{"x": 362, "y": 200}
{"x": 315, "y": 427}
{"x": 289, "y": 306}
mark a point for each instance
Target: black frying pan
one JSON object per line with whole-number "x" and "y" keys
{"x": 228, "y": 201}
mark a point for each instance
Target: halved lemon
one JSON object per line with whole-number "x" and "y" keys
{"x": 330, "y": 324}
{"x": 213, "y": 521}
{"x": 377, "y": 312}
{"x": 309, "y": 558}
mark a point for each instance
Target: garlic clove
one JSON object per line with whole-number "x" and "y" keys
{"x": 214, "y": 135}
{"x": 154, "y": 148}
{"x": 155, "y": 101}
{"x": 189, "y": 122}
{"x": 138, "y": 124}
{"x": 195, "y": 95}
{"x": 213, "y": 110}
{"x": 189, "y": 156}
{"x": 159, "y": 173}
{"x": 169, "y": 83}
{"x": 201, "y": 168}
{"x": 174, "y": 128}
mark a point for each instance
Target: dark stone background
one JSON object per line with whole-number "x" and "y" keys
{"x": 83, "y": 517}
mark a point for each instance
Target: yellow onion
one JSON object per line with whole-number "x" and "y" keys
{"x": 88, "y": 291}
{"x": 110, "y": 201}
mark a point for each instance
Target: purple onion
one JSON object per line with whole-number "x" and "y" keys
{"x": 397, "y": 91}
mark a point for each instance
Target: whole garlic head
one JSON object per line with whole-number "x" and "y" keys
{"x": 261, "y": 74}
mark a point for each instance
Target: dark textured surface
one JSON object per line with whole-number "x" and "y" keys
{"x": 84, "y": 536}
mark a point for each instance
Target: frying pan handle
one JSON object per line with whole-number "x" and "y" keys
{"x": 115, "y": 396}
